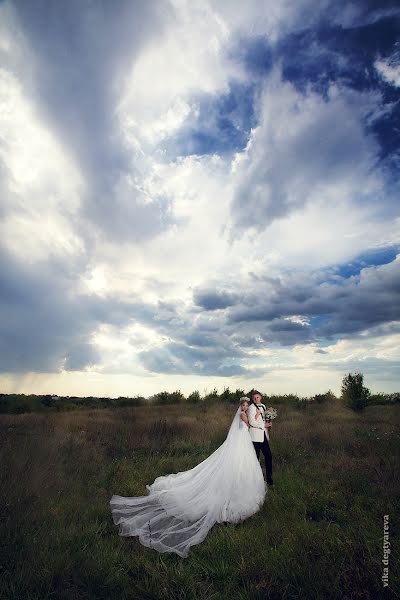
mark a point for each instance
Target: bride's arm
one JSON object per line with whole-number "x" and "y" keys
{"x": 253, "y": 421}
{"x": 244, "y": 418}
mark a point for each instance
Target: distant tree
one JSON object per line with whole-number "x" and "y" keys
{"x": 289, "y": 399}
{"x": 226, "y": 394}
{"x": 229, "y": 396}
{"x": 211, "y": 396}
{"x": 330, "y": 396}
{"x": 304, "y": 401}
{"x": 250, "y": 394}
{"x": 237, "y": 394}
{"x": 169, "y": 397}
{"x": 354, "y": 394}
{"x": 127, "y": 401}
{"x": 162, "y": 398}
{"x": 194, "y": 397}
{"x": 382, "y": 398}
{"x": 177, "y": 397}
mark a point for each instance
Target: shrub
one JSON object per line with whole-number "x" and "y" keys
{"x": 304, "y": 401}
{"x": 289, "y": 399}
{"x": 382, "y": 398}
{"x": 169, "y": 397}
{"x": 212, "y": 396}
{"x": 329, "y": 396}
{"x": 194, "y": 397}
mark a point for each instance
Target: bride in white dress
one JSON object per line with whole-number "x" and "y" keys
{"x": 181, "y": 508}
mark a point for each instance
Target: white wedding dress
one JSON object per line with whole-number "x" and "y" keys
{"x": 181, "y": 508}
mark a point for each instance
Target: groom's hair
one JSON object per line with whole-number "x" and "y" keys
{"x": 253, "y": 393}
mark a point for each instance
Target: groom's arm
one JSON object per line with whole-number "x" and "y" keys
{"x": 253, "y": 422}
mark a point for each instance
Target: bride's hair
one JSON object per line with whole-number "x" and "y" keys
{"x": 244, "y": 399}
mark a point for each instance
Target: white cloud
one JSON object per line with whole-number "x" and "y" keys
{"x": 194, "y": 248}
{"x": 117, "y": 348}
{"x": 186, "y": 59}
{"x": 389, "y": 69}
{"x": 42, "y": 192}
{"x": 301, "y": 148}
{"x": 305, "y": 149}
{"x": 268, "y": 18}
{"x": 326, "y": 232}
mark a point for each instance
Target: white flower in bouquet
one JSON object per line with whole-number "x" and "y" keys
{"x": 270, "y": 414}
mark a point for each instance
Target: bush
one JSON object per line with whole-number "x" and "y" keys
{"x": 329, "y": 396}
{"x": 304, "y": 401}
{"x": 169, "y": 397}
{"x": 194, "y": 397}
{"x": 289, "y": 399}
{"x": 126, "y": 401}
{"x": 381, "y": 398}
{"x": 354, "y": 394}
{"x": 212, "y": 396}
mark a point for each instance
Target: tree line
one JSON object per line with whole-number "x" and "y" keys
{"x": 353, "y": 395}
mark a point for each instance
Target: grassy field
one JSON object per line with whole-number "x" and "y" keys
{"x": 319, "y": 534}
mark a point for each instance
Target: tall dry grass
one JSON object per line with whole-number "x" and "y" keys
{"x": 318, "y": 535}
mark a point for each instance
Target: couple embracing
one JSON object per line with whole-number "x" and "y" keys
{"x": 255, "y": 417}
{"x": 228, "y": 486}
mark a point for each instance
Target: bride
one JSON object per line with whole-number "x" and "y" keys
{"x": 181, "y": 508}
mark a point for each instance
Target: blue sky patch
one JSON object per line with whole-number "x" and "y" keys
{"x": 222, "y": 126}
{"x": 373, "y": 257}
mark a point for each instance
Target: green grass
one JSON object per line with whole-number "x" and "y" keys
{"x": 319, "y": 534}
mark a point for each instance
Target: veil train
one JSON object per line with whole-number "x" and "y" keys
{"x": 181, "y": 508}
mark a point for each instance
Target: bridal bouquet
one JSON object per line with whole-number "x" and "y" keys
{"x": 271, "y": 414}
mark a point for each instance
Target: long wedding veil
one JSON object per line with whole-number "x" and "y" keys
{"x": 181, "y": 508}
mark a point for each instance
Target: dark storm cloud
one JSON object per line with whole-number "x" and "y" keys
{"x": 43, "y": 322}
{"x": 199, "y": 346}
{"x": 348, "y": 306}
{"x": 182, "y": 359}
{"x": 331, "y": 305}
{"x": 200, "y": 338}
{"x": 39, "y": 322}
{"x": 80, "y": 356}
{"x": 79, "y": 54}
{"x": 288, "y": 332}
{"x": 46, "y": 326}
{"x": 213, "y": 299}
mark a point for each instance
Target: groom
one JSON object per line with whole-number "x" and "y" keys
{"x": 259, "y": 432}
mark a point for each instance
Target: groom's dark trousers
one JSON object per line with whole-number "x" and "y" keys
{"x": 264, "y": 447}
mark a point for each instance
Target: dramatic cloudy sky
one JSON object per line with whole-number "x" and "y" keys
{"x": 199, "y": 194}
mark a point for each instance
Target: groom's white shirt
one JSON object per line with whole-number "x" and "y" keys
{"x": 257, "y": 426}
